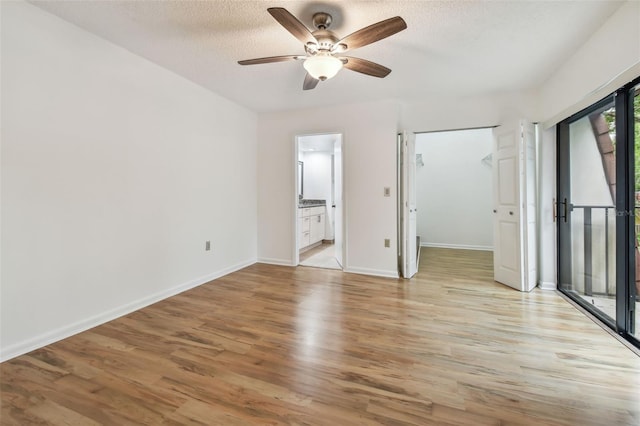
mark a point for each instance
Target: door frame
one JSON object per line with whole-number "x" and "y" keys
{"x": 296, "y": 153}
{"x": 625, "y": 153}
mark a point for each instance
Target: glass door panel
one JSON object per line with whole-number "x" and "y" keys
{"x": 589, "y": 212}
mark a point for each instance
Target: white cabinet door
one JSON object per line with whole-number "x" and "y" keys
{"x": 316, "y": 228}
{"x": 305, "y": 232}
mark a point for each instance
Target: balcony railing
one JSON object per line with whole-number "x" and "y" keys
{"x": 588, "y": 245}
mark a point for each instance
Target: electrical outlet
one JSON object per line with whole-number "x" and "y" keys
{"x": 207, "y": 245}
{"x": 387, "y": 242}
{"x": 387, "y": 191}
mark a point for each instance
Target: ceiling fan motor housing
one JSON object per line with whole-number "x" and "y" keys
{"x": 326, "y": 39}
{"x": 322, "y": 20}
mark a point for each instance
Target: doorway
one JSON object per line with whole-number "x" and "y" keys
{"x": 319, "y": 224}
{"x": 454, "y": 192}
{"x": 499, "y": 215}
{"x": 454, "y": 189}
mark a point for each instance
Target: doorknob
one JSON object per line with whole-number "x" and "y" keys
{"x": 495, "y": 211}
{"x": 511, "y": 213}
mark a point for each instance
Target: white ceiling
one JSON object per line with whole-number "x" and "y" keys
{"x": 450, "y": 47}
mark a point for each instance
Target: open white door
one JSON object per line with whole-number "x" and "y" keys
{"x": 408, "y": 249}
{"x": 514, "y": 224}
{"x": 337, "y": 201}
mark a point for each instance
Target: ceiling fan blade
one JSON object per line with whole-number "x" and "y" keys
{"x": 270, "y": 59}
{"x": 292, "y": 24}
{"x": 309, "y": 82}
{"x": 366, "y": 67}
{"x": 371, "y": 34}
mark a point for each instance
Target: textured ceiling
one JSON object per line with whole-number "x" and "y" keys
{"x": 450, "y": 47}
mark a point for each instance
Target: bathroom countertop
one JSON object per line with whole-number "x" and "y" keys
{"x": 302, "y": 204}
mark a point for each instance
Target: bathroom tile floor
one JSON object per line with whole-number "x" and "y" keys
{"x": 320, "y": 257}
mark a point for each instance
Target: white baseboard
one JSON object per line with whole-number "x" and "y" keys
{"x": 373, "y": 272}
{"x": 53, "y": 336}
{"x": 362, "y": 271}
{"x": 547, "y": 285}
{"x": 280, "y": 262}
{"x": 456, "y": 246}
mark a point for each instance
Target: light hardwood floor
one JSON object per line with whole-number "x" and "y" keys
{"x": 303, "y": 346}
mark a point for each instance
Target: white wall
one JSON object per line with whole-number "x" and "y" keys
{"x": 547, "y": 243}
{"x": 454, "y": 113}
{"x": 369, "y": 151}
{"x": 454, "y": 189}
{"x": 583, "y": 79}
{"x": 114, "y": 173}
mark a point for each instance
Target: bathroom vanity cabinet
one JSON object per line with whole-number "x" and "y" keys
{"x": 311, "y": 222}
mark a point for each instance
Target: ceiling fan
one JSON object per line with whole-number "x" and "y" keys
{"x": 322, "y": 46}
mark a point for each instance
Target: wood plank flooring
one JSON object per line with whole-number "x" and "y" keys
{"x": 303, "y": 346}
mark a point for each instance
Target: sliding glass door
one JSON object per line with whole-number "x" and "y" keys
{"x": 587, "y": 209}
{"x": 599, "y": 209}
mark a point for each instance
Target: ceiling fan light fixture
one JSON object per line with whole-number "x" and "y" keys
{"x": 322, "y": 44}
{"x": 322, "y": 66}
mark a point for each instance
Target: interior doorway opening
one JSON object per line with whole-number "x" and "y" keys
{"x": 485, "y": 197}
{"x": 454, "y": 189}
{"x": 319, "y": 224}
